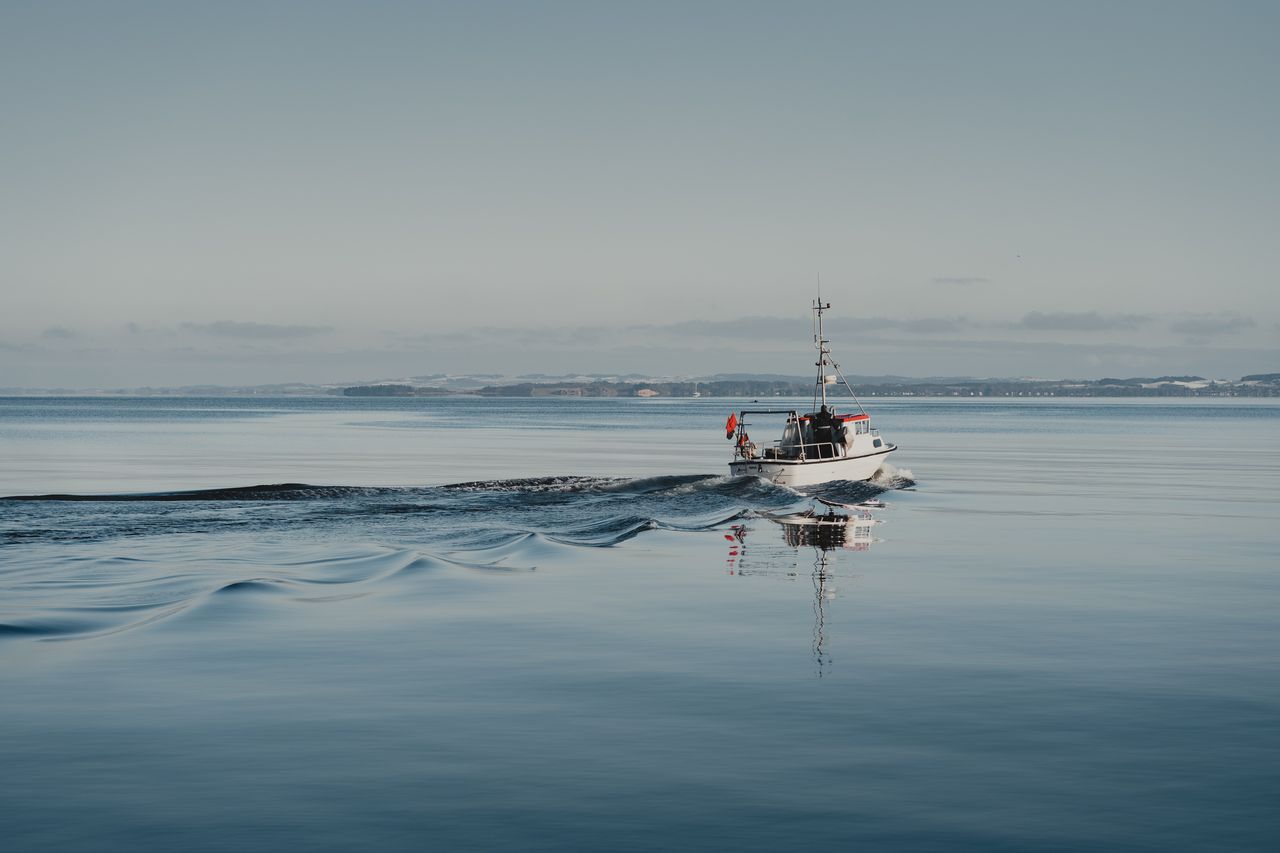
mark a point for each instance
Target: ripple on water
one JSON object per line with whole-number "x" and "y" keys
{"x": 75, "y": 578}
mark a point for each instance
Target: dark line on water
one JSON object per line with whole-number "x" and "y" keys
{"x": 276, "y": 491}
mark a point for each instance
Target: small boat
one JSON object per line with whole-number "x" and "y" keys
{"x": 816, "y": 446}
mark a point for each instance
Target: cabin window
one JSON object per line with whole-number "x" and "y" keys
{"x": 876, "y": 443}
{"x": 861, "y": 427}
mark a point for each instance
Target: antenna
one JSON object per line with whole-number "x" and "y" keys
{"x": 820, "y": 342}
{"x": 816, "y": 315}
{"x": 824, "y": 356}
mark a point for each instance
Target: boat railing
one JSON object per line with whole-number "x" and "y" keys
{"x": 808, "y": 450}
{"x": 794, "y": 450}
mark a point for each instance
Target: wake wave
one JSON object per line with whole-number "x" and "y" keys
{"x": 749, "y": 487}
{"x": 190, "y": 550}
{"x": 891, "y": 477}
{"x": 532, "y": 485}
{"x": 594, "y": 511}
{"x": 265, "y": 492}
{"x": 153, "y": 592}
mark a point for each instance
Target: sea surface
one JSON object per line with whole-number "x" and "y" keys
{"x": 556, "y": 625}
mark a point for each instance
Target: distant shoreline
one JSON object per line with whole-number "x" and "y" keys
{"x": 1179, "y": 388}
{"x": 730, "y": 386}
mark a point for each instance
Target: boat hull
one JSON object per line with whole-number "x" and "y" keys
{"x": 813, "y": 471}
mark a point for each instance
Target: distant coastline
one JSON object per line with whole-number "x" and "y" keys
{"x": 732, "y": 386}
{"x": 1258, "y": 385}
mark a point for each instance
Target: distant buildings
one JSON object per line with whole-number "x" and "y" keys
{"x": 1256, "y": 385}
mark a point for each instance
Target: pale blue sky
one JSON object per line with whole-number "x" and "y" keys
{"x": 209, "y": 192}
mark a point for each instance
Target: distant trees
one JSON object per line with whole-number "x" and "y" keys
{"x": 392, "y": 390}
{"x": 1257, "y": 385}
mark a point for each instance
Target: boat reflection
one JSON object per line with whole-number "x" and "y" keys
{"x": 828, "y": 532}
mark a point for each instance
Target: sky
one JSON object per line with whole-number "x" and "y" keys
{"x": 260, "y": 192}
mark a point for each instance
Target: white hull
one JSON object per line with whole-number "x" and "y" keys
{"x": 810, "y": 472}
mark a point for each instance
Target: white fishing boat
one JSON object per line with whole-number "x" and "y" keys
{"x": 816, "y": 446}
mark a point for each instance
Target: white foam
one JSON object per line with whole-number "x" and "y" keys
{"x": 892, "y": 477}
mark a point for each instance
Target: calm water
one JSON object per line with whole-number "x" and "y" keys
{"x": 551, "y": 625}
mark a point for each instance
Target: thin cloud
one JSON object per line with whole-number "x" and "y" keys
{"x": 256, "y": 331}
{"x": 961, "y": 280}
{"x": 1090, "y": 321}
{"x": 560, "y": 336}
{"x": 792, "y": 328}
{"x": 575, "y": 336}
{"x": 934, "y": 325}
{"x": 773, "y": 328}
{"x": 1209, "y": 326}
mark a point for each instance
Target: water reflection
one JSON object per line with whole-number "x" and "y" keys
{"x": 827, "y": 532}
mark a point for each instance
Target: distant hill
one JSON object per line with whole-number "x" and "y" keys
{"x": 393, "y": 390}
{"x": 1142, "y": 380}
{"x": 730, "y": 385}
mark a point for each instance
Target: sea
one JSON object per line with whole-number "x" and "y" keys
{"x": 336, "y": 624}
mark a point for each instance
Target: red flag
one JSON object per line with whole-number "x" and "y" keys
{"x": 731, "y": 425}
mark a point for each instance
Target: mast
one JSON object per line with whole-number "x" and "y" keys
{"x": 824, "y": 359}
{"x": 820, "y": 342}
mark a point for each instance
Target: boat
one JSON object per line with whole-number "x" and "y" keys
{"x": 816, "y": 446}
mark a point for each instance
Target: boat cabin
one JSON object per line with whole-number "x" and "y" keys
{"x": 810, "y": 436}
